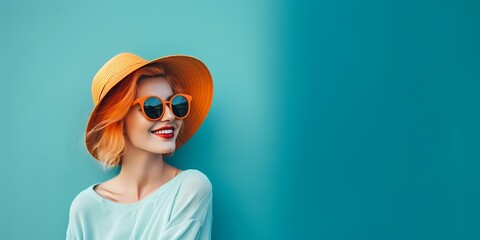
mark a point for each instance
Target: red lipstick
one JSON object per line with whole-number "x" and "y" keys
{"x": 164, "y": 132}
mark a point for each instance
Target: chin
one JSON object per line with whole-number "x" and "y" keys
{"x": 163, "y": 149}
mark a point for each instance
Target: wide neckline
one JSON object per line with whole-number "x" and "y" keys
{"x": 137, "y": 203}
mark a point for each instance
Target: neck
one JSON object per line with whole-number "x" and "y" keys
{"x": 142, "y": 171}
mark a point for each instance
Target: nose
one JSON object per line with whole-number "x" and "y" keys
{"x": 168, "y": 115}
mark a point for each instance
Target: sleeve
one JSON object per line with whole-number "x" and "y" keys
{"x": 74, "y": 228}
{"x": 191, "y": 216}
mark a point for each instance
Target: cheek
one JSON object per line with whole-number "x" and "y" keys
{"x": 135, "y": 123}
{"x": 179, "y": 125}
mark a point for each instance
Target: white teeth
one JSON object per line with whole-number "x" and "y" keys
{"x": 168, "y": 131}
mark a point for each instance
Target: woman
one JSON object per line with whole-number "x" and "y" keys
{"x": 144, "y": 111}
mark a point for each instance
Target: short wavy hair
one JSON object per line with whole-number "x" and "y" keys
{"x": 106, "y": 136}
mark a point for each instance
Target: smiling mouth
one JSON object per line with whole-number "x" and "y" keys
{"x": 164, "y": 132}
{"x": 167, "y": 131}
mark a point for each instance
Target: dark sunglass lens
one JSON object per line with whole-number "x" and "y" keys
{"x": 153, "y": 107}
{"x": 180, "y": 106}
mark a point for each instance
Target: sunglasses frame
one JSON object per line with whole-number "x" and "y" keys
{"x": 141, "y": 102}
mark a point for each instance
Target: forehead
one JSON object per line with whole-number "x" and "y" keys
{"x": 157, "y": 86}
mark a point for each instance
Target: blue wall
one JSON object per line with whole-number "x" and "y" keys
{"x": 330, "y": 120}
{"x": 381, "y": 102}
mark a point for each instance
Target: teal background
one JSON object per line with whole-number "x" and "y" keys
{"x": 330, "y": 120}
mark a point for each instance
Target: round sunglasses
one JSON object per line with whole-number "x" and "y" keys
{"x": 153, "y": 107}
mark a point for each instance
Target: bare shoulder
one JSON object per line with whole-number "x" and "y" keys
{"x": 110, "y": 190}
{"x": 104, "y": 187}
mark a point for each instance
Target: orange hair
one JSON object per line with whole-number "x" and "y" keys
{"x": 107, "y": 136}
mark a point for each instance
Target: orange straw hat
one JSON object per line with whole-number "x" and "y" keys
{"x": 192, "y": 74}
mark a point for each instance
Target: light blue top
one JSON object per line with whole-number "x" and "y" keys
{"x": 179, "y": 209}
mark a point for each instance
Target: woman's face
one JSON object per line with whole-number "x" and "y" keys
{"x": 139, "y": 131}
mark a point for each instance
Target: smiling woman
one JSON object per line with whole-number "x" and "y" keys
{"x": 105, "y": 139}
{"x": 143, "y": 112}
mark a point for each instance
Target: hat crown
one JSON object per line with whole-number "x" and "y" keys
{"x": 112, "y": 72}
